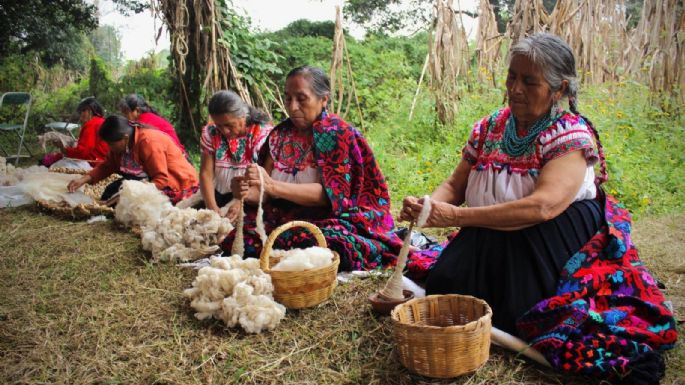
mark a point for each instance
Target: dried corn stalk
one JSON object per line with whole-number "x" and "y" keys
{"x": 448, "y": 59}
{"x": 656, "y": 54}
{"x": 489, "y": 42}
{"x": 529, "y": 17}
{"x": 203, "y": 61}
{"x": 343, "y": 88}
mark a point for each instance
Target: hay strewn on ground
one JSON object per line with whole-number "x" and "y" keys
{"x": 80, "y": 304}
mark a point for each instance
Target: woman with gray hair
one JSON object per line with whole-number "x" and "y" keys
{"x": 230, "y": 142}
{"x": 318, "y": 168}
{"x": 539, "y": 240}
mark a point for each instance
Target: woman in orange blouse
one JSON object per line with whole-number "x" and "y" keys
{"x": 140, "y": 153}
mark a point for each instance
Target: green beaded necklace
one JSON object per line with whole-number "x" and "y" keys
{"x": 515, "y": 146}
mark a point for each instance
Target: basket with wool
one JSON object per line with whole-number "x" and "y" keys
{"x": 300, "y": 289}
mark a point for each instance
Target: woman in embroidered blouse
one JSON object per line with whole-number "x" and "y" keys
{"x": 137, "y": 110}
{"x": 142, "y": 153}
{"x": 536, "y": 232}
{"x": 318, "y": 168}
{"x": 230, "y": 143}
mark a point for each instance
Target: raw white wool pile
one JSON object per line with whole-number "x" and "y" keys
{"x": 53, "y": 138}
{"x": 10, "y": 175}
{"x": 182, "y": 235}
{"x": 237, "y": 292}
{"x": 52, "y": 187}
{"x": 140, "y": 204}
{"x": 191, "y": 201}
{"x": 5, "y": 168}
{"x": 302, "y": 259}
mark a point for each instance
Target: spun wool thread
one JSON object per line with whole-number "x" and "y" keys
{"x": 260, "y": 211}
{"x": 238, "y": 246}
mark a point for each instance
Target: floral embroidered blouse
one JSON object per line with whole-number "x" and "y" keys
{"x": 232, "y": 156}
{"x": 497, "y": 177}
{"x": 293, "y": 157}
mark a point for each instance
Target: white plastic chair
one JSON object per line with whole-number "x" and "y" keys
{"x": 15, "y": 100}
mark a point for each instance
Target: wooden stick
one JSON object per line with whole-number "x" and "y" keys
{"x": 418, "y": 87}
{"x": 517, "y": 345}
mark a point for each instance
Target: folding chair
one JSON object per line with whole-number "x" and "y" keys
{"x": 16, "y": 99}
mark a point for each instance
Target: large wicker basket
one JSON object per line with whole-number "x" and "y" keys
{"x": 82, "y": 211}
{"x": 300, "y": 289}
{"x": 442, "y": 336}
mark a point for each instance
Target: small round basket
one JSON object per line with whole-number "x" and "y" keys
{"x": 442, "y": 336}
{"x": 300, "y": 289}
{"x": 82, "y": 211}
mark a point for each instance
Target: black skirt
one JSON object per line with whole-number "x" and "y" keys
{"x": 513, "y": 270}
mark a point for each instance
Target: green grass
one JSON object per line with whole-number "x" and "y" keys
{"x": 81, "y": 305}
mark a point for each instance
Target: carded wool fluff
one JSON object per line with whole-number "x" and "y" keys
{"x": 185, "y": 234}
{"x": 5, "y": 168}
{"x": 53, "y": 138}
{"x": 10, "y": 175}
{"x": 140, "y": 204}
{"x": 302, "y": 259}
{"x": 52, "y": 187}
{"x": 237, "y": 292}
{"x": 191, "y": 201}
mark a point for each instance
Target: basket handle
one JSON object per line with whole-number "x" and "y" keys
{"x": 268, "y": 246}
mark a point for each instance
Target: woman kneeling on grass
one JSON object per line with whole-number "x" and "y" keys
{"x": 540, "y": 241}
{"x": 318, "y": 168}
{"x": 230, "y": 143}
{"x": 142, "y": 153}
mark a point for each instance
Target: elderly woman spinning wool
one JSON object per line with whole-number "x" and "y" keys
{"x": 142, "y": 153}
{"x": 230, "y": 143}
{"x": 316, "y": 167}
{"x": 540, "y": 241}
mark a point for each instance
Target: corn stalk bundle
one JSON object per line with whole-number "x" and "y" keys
{"x": 448, "y": 59}
{"x": 200, "y": 54}
{"x": 657, "y": 47}
{"x": 343, "y": 88}
{"x": 489, "y": 42}
{"x": 529, "y": 17}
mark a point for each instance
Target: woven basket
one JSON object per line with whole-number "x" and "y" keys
{"x": 82, "y": 211}
{"x": 442, "y": 336}
{"x": 300, "y": 289}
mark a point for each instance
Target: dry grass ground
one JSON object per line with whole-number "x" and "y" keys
{"x": 80, "y": 304}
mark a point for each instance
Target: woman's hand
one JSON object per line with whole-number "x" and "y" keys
{"x": 442, "y": 214}
{"x": 252, "y": 176}
{"x": 77, "y": 183}
{"x": 240, "y": 187}
{"x": 408, "y": 212}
